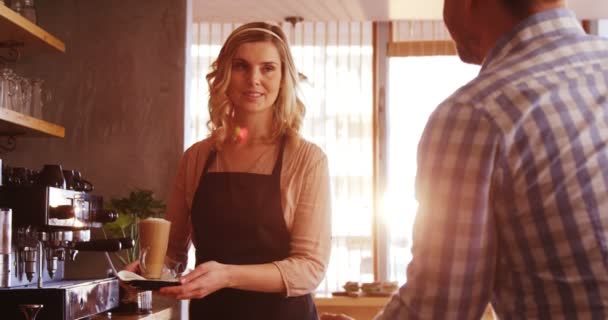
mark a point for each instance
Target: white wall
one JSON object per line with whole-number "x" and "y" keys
{"x": 603, "y": 28}
{"x": 589, "y": 9}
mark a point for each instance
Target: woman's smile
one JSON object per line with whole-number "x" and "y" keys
{"x": 253, "y": 95}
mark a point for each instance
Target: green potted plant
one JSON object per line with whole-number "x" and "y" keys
{"x": 139, "y": 204}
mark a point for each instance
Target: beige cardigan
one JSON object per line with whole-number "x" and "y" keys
{"x": 305, "y": 197}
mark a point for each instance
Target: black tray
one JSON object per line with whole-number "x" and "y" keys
{"x": 152, "y": 284}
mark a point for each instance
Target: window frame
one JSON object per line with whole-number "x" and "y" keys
{"x": 385, "y": 46}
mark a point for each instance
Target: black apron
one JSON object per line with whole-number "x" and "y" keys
{"x": 237, "y": 219}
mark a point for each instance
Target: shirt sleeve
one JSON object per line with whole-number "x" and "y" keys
{"x": 178, "y": 213}
{"x": 305, "y": 267}
{"x": 454, "y": 246}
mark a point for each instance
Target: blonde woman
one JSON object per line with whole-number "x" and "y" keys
{"x": 254, "y": 197}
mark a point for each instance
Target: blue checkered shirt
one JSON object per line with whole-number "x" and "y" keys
{"x": 512, "y": 185}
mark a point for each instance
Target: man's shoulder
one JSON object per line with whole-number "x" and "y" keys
{"x": 474, "y": 100}
{"x": 467, "y": 96}
{"x": 507, "y": 90}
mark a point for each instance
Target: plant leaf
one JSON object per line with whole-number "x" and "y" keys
{"x": 139, "y": 204}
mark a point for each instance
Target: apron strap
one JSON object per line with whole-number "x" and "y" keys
{"x": 278, "y": 165}
{"x": 209, "y": 160}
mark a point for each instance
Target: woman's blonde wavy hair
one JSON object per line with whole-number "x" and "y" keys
{"x": 288, "y": 108}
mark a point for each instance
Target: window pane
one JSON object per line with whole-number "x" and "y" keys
{"x": 416, "y": 86}
{"x": 336, "y": 59}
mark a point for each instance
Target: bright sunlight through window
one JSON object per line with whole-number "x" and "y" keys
{"x": 416, "y": 86}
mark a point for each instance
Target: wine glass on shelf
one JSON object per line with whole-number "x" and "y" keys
{"x": 14, "y": 91}
{"x": 26, "y": 96}
{"x": 3, "y": 87}
{"x": 37, "y": 98}
{"x": 7, "y": 88}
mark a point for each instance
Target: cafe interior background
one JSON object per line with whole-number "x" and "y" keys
{"x": 130, "y": 92}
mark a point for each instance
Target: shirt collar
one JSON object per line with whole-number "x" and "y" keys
{"x": 557, "y": 21}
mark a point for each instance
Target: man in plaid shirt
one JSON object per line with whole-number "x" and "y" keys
{"x": 512, "y": 176}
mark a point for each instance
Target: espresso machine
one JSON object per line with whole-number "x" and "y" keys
{"x": 43, "y": 226}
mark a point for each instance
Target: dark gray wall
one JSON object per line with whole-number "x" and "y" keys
{"x": 118, "y": 91}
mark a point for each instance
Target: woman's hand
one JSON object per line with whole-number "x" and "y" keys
{"x": 207, "y": 278}
{"x": 133, "y": 267}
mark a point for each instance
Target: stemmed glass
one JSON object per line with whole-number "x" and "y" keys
{"x": 25, "y": 104}
{"x": 37, "y": 98}
{"x": 3, "y": 88}
{"x": 21, "y": 94}
{"x": 6, "y": 87}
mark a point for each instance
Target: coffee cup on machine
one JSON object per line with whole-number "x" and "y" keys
{"x": 153, "y": 242}
{"x": 51, "y": 175}
{"x": 20, "y": 176}
{"x": 81, "y": 184}
{"x": 70, "y": 183}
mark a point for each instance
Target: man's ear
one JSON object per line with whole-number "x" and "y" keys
{"x": 475, "y": 6}
{"x": 480, "y": 11}
{"x": 473, "y": 9}
{"x": 470, "y": 3}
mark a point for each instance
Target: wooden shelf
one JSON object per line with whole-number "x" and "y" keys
{"x": 19, "y": 125}
{"x": 27, "y": 37}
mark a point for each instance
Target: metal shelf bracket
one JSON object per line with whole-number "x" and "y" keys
{"x": 11, "y": 52}
{"x": 10, "y": 145}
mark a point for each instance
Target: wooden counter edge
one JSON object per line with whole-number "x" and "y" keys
{"x": 351, "y": 302}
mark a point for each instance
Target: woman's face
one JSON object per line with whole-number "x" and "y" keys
{"x": 256, "y": 77}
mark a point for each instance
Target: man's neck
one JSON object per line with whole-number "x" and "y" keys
{"x": 540, "y": 6}
{"x": 504, "y": 23}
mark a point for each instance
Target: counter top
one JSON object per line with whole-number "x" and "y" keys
{"x": 162, "y": 309}
{"x": 359, "y": 308}
{"x": 329, "y": 301}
